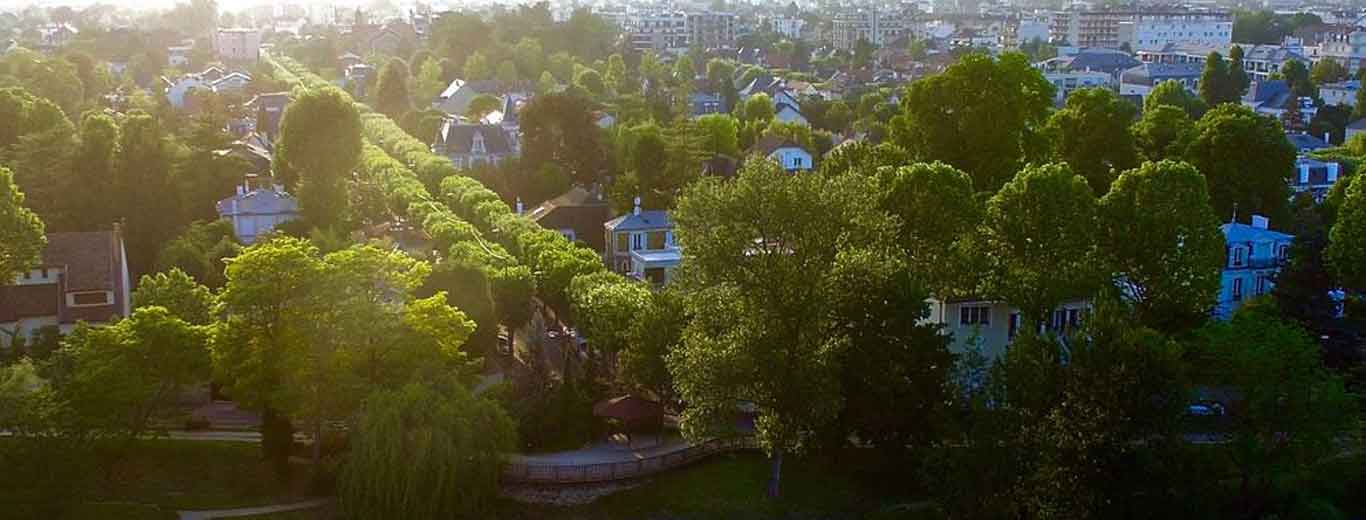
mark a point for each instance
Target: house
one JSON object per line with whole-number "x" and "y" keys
{"x": 1254, "y": 258}
{"x": 347, "y": 60}
{"x": 1109, "y": 62}
{"x": 1273, "y": 98}
{"x": 455, "y": 100}
{"x": 176, "y": 91}
{"x": 1355, "y": 127}
{"x": 178, "y": 56}
{"x": 1141, "y": 79}
{"x": 83, "y": 276}
{"x": 989, "y": 326}
{"x": 470, "y": 145}
{"x": 231, "y": 82}
{"x": 640, "y": 244}
{"x": 704, "y": 103}
{"x": 1305, "y": 143}
{"x": 255, "y": 149}
{"x": 255, "y": 212}
{"x": 1342, "y": 93}
{"x": 789, "y": 113}
{"x": 578, "y": 214}
{"x": 1065, "y": 83}
{"x": 792, "y": 156}
{"x": 1314, "y": 177}
{"x": 269, "y": 108}
{"x": 54, "y": 35}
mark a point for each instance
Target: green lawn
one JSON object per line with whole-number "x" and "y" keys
{"x": 732, "y": 486}
{"x": 199, "y": 475}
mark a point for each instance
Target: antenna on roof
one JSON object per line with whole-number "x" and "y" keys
{"x": 1234, "y": 218}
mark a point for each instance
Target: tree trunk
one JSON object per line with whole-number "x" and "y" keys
{"x": 775, "y": 474}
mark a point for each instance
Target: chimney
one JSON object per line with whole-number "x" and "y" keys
{"x": 519, "y": 205}
{"x": 636, "y": 211}
{"x": 1260, "y": 222}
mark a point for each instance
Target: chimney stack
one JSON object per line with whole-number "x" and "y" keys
{"x": 1260, "y": 222}
{"x": 519, "y": 205}
{"x": 636, "y": 211}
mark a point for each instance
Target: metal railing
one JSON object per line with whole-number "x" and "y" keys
{"x": 608, "y": 471}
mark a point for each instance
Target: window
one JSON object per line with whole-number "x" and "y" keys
{"x": 1237, "y": 291}
{"x": 1282, "y": 251}
{"x": 623, "y": 243}
{"x": 977, "y": 315}
{"x": 655, "y": 240}
{"x": 89, "y": 298}
{"x": 637, "y": 241}
{"x": 1014, "y": 325}
{"x": 1238, "y": 257}
{"x": 1262, "y": 284}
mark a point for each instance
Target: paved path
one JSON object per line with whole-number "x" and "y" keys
{"x": 249, "y": 511}
{"x": 604, "y": 452}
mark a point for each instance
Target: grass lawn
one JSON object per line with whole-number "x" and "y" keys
{"x": 199, "y": 475}
{"x": 732, "y": 486}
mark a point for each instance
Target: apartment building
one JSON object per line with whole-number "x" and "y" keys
{"x": 1152, "y": 29}
{"x": 711, "y": 30}
{"x": 877, "y": 27}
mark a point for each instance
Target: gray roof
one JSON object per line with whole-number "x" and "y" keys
{"x": 1359, "y": 124}
{"x": 458, "y": 138}
{"x": 772, "y": 142}
{"x": 1153, "y": 73}
{"x": 1269, "y": 90}
{"x": 261, "y": 201}
{"x": 1306, "y": 142}
{"x": 1247, "y": 233}
{"x": 646, "y": 220}
{"x": 1100, "y": 60}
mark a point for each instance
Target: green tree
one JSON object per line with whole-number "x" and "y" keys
{"x": 430, "y": 82}
{"x": 477, "y": 67}
{"x": 1160, "y": 240}
{"x": 529, "y": 57}
{"x": 21, "y": 231}
{"x": 1245, "y": 159}
{"x": 1171, "y": 92}
{"x": 426, "y": 450}
{"x": 1238, "y": 80}
{"x": 200, "y": 251}
{"x": 602, "y": 302}
{"x": 942, "y": 112}
{"x": 616, "y": 78}
{"x": 1327, "y": 71}
{"x": 391, "y": 91}
{"x": 1092, "y": 136}
{"x": 591, "y": 81}
{"x": 145, "y": 194}
{"x": 513, "y": 290}
{"x": 1346, "y": 251}
{"x": 684, "y": 70}
{"x": 760, "y": 333}
{"x": 1359, "y": 107}
{"x": 483, "y": 105}
{"x": 1163, "y": 132}
{"x": 1292, "y": 411}
{"x": 546, "y": 84}
{"x": 1215, "y": 85}
{"x": 179, "y": 294}
{"x": 1296, "y": 75}
{"x": 938, "y": 212}
{"x": 320, "y": 139}
{"x": 1041, "y": 232}
{"x": 507, "y": 73}
{"x": 559, "y": 129}
{"x": 720, "y": 134}
{"x": 94, "y": 165}
{"x": 757, "y": 108}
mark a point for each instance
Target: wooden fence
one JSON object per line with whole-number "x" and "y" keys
{"x": 585, "y": 473}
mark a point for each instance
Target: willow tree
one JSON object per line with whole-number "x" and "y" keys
{"x": 426, "y": 451}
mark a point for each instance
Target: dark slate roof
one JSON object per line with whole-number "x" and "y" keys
{"x": 1152, "y": 73}
{"x": 459, "y": 138}
{"x": 772, "y": 142}
{"x": 1359, "y": 124}
{"x": 90, "y": 259}
{"x": 653, "y": 219}
{"x": 1100, "y": 60}
{"x": 1306, "y": 142}
{"x": 263, "y": 201}
{"x": 1263, "y": 91}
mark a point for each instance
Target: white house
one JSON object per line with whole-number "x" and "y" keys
{"x": 989, "y": 326}
{"x": 788, "y": 153}
{"x": 178, "y": 89}
{"x": 1314, "y": 177}
{"x": 255, "y": 212}
{"x": 640, "y": 244}
{"x": 1341, "y": 93}
{"x": 1255, "y": 255}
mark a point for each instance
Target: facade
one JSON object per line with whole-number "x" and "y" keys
{"x": 1141, "y": 29}
{"x": 704, "y": 103}
{"x": 238, "y": 45}
{"x": 989, "y": 326}
{"x": 1348, "y": 50}
{"x": 83, "y": 276}
{"x": 1255, "y": 255}
{"x": 786, "y": 152}
{"x": 1259, "y": 61}
{"x": 1314, "y": 177}
{"x": 711, "y": 30}
{"x": 1067, "y": 82}
{"x": 877, "y": 27}
{"x": 1140, "y": 80}
{"x": 661, "y": 31}
{"x": 1342, "y": 93}
{"x": 471, "y": 145}
{"x": 640, "y": 244}
{"x": 255, "y": 212}
{"x": 788, "y": 26}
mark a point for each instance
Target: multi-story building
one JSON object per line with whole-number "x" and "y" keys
{"x": 640, "y": 244}
{"x": 1065, "y": 83}
{"x": 1340, "y": 93}
{"x": 1314, "y": 177}
{"x": 1255, "y": 256}
{"x": 877, "y": 27}
{"x": 1141, "y": 29}
{"x": 788, "y": 26}
{"x": 1259, "y": 61}
{"x": 1140, "y": 80}
{"x": 658, "y": 31}
{"x": 711, "y": 30}
{"x": 238, "y": 45}
{"x": 470, "y": 145}
{"x": 1348, "y": 49}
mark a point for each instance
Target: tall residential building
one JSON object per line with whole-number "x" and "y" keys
{"x": 1349, "y": 49}
{"x": 658, "y": 31}
{"x": 877, "y": 27}
{"x": 711, "y": 29}
{"x": 1146, "y": 29}
{"x": 238, "y": 45}
{"x": 788, "y": 26}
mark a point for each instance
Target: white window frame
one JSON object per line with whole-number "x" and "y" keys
{"x": 71, "y": 298}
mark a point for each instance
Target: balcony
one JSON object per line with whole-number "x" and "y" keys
{"x": 1256, "y": 263}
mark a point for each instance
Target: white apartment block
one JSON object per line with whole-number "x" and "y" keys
{"x": 238, "y": 45}
{"x": 1141, "y": 29}
{"x": 789, "y": 27}
{"x": 659, "y": 31}
{"x": 878, "y": 27}
{"x": 1349, "y": 50}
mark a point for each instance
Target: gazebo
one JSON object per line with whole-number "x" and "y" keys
{"x": 631, "y": 412}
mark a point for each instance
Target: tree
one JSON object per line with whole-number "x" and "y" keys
{"x": 1041, "y": 232}
{"x": 758, "y": 107}
{"x": 1245, "y": 159}
{"x": 179, "y": 294}
{"x": 430, "y": 83}
{"x": 617, "y": 81}
{"x": 200, "y": 251}
{"x": 123, "y": 374}
{"x": 477, "y": 67}
{"x": 320, "y": 140}
{"x": 546, "y": 84}
{"x": 143, "y": 190}
{"x": 426, "y": 450}
{"x": 941, "y": 113}
{"x": 938, "y": 212}
{"x": 720, "y": 134}
{"x": 1160, "y": 240}
{"x": 591, "y": 81}
{"x": 1296, "y": 75}
{"x": 513, "y": 290}
{"x": 1346, "y": 251}
{"x": 1163, "y": 132}
{"x": 1215, "y": 82}
{"x": 1292, "y": 410}
{"x": 1171, "y": 92}
{"x": 391, "y": 91}
{"x": 1304, "y": 287}
{"x": 602, "y": 302}
{"x": 760, "y": 332}
{"x": 1237, "y": 77}
{"x": 97, "y": 153}
{"x": 1327, "y": 71}
{"x": 684, "y": 70}
{"x": 1092, "y": 135}
{"x": 507, "y": 73}
{"x": 529, "y": 57}
{"x": 21, "y": 231}
{"x": 559, "y": 129}
{"x": 1359, "y": 107}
